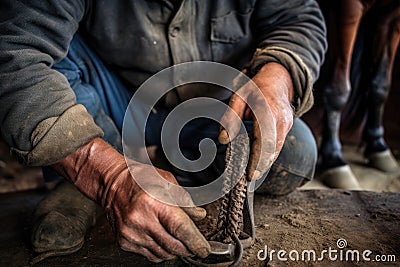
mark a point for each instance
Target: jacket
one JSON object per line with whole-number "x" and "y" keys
{"x": 136, "y": 39}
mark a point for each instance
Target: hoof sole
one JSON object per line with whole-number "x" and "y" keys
{"x": 340, "y": 177}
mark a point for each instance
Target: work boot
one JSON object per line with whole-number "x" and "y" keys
{"x": 61, "y": 221}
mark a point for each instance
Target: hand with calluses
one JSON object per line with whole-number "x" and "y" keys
{"x": 266, "y": 100}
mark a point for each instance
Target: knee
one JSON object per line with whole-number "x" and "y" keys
{"x": 295, "y": 164}
{"x": 336, "y": 96}
{"x": 379, "y": 92}
{"x": 299, "y": 153}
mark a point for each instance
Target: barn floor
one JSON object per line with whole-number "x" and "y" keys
{"x": 309, "y": 219}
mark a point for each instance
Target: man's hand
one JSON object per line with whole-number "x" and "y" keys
{"x": 271, "y": 112}
{"x": 142, "y": 224}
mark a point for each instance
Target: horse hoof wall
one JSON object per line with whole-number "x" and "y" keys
{"x": 340, "y": 177}
{"x": 383, "y": 161}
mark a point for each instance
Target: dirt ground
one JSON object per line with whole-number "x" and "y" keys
{"x": 311, "y": 219}
{"x": 316, "y": 220}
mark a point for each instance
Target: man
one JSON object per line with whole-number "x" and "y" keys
{"x": 69, "y": 68}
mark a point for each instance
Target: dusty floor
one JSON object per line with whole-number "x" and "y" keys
{"x": 309, "y": 219}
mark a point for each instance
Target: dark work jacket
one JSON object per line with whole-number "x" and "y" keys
{"x": 136, "y": 39}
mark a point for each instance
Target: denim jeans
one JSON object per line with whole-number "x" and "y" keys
{"x": 106, "y": 99}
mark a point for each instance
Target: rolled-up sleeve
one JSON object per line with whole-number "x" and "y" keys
{"x": 291, "y": 33}
{"x": 39, "y": 117}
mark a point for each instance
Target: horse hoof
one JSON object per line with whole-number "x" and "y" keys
{"x": 383, "y": 161}
{"x": 340, "y": 177}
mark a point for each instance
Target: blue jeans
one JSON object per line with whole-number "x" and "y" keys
{"x": 106, "y": 99}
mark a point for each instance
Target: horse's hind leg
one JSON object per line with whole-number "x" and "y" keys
{"x": 343, "y": 18}
{"x": 383, "y": 50}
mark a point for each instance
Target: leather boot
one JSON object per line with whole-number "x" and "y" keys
{"x": 61, "y": 221}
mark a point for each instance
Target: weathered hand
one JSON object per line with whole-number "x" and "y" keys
{"x": 154, "y": 229}
{"x": 268, "y": 105}
{"x": 142, "y": 224}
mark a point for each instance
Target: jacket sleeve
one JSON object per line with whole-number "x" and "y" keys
{"x": 291, "y": 33}
{"x": 39, "y": 117}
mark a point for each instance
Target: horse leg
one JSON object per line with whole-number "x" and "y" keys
{"x": 343, "y": 18}
{"x": 383, "y": 50}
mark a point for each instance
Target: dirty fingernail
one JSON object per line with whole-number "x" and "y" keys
{"x": 203, "y": 252}
{"x": 202, "y": 212}
{"x": 198, "y": 214}
{"x": 223, "y": 137}
{"x": 256, "y": 175}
